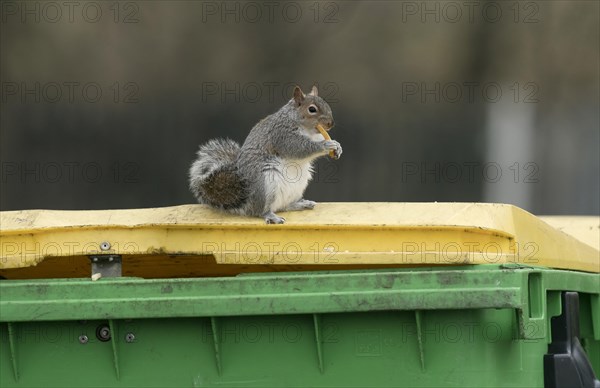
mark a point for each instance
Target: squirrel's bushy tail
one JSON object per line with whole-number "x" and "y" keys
{"x": 213, "y": 176}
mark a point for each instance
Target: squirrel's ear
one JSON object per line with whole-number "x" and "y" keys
{"x": 314, "y": 91}
{"x": 298, "y": 95}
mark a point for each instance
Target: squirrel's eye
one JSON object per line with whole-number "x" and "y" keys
{"x": 312, "y": 109}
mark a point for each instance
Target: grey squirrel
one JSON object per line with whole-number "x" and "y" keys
{"x": 271, "y": 170}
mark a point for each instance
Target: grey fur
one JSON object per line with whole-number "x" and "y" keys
{"x": 213, "y": 176}
{"x": 271, "y": 170}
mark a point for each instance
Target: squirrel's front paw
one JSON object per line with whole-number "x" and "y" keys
{"x": 332, "y": 145}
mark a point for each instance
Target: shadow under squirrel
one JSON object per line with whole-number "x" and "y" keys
{"x": 271, "y": 170}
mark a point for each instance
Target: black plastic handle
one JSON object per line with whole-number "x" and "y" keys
{"x": 566, "y": 365}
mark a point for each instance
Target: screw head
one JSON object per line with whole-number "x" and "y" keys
{"x": 103, "y": 333}
{"x": 129, "y": 337}
{"x": 83, "y": 339}
{"x": 105, "y": 245}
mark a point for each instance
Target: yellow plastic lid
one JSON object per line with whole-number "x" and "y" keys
{"x": 333, "y": 234}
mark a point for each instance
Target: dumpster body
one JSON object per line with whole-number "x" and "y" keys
{"x": 392, "y": 295}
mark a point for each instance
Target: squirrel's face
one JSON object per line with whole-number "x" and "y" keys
{"x": 312, "y": 109}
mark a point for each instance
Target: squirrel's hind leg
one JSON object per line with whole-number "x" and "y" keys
{"x": 272, "y": 218}
{"x": 303, "y": 204}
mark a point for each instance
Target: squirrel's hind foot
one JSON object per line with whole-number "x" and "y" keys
{"x": 272, "y": 218}
{"x": 303, "y": 204}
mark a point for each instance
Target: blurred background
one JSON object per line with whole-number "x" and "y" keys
{"x": 104, "y": 103}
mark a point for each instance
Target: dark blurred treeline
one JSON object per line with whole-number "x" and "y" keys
{"x": 104, "y": 105}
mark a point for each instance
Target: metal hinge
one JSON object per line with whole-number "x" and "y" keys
{"x": 106, "y": 266}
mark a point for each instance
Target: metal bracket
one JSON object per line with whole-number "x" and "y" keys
{"x": 108, "y": 266}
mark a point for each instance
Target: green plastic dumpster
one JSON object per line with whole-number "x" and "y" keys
{"x": 369, "y": 294}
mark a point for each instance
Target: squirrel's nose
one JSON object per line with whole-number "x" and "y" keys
{"x": 330, "y": 123}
